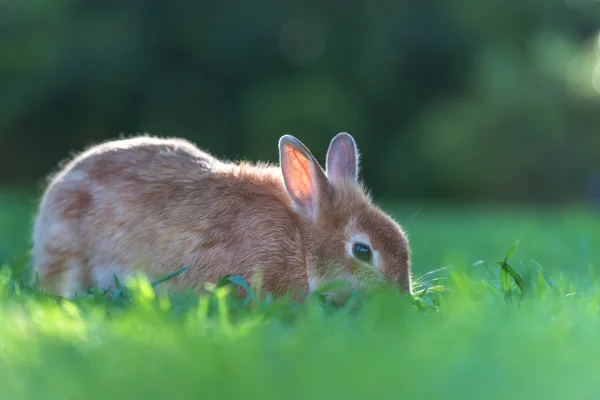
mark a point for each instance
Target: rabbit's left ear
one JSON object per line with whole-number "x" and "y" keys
{"x": 342, "y": 158}
{"x": 303, "y": 177}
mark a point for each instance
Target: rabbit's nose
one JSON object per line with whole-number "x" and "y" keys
{"x": 405, "y": 287}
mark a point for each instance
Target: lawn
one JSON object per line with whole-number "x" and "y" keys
{"x": 480, "y": 337}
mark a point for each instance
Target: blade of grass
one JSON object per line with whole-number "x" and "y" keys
{"x": 169, "y": 276}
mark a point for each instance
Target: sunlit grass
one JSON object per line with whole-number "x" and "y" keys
{"x": 472, "y": 337}
{"x": 488, "y": 321}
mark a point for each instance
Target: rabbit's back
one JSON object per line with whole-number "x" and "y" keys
{"x": 161, "y": 204}
{"x": 142, "y": 159}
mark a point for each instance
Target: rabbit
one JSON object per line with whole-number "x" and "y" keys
{"x": 153, "y": 205}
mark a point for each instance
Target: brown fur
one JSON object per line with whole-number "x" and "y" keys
{"x": 155, "y": 205}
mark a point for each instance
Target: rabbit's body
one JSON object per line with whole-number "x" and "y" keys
{"x": 156, "y": 205}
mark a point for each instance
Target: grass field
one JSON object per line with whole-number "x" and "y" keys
{"x": 479, "y": 336}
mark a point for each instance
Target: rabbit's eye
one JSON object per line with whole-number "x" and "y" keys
{"x": 362, "y": 252}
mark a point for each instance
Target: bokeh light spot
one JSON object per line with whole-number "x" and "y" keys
{"x": 596, "y": 78}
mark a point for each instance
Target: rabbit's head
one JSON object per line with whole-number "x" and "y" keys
{"x": 348, "y": 238}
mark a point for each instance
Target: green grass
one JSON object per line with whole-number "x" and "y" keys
{"x": 481, "y": 337}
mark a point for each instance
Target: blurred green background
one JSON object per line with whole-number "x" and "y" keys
{"x": 461, "y": 100}
{"x": 450, "y": 102}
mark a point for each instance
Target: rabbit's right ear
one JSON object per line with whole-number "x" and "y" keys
{"x": 342, "y": 158}
{"x": 303, "y": 177}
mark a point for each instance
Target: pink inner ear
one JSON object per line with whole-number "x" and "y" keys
{"x": 298, "y": 174}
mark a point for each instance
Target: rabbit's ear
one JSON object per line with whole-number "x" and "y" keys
{"x": 303, "y": 177}
{"x": 342, "y": 158}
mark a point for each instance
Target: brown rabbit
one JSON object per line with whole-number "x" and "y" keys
{"x": 155, "y": 205}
